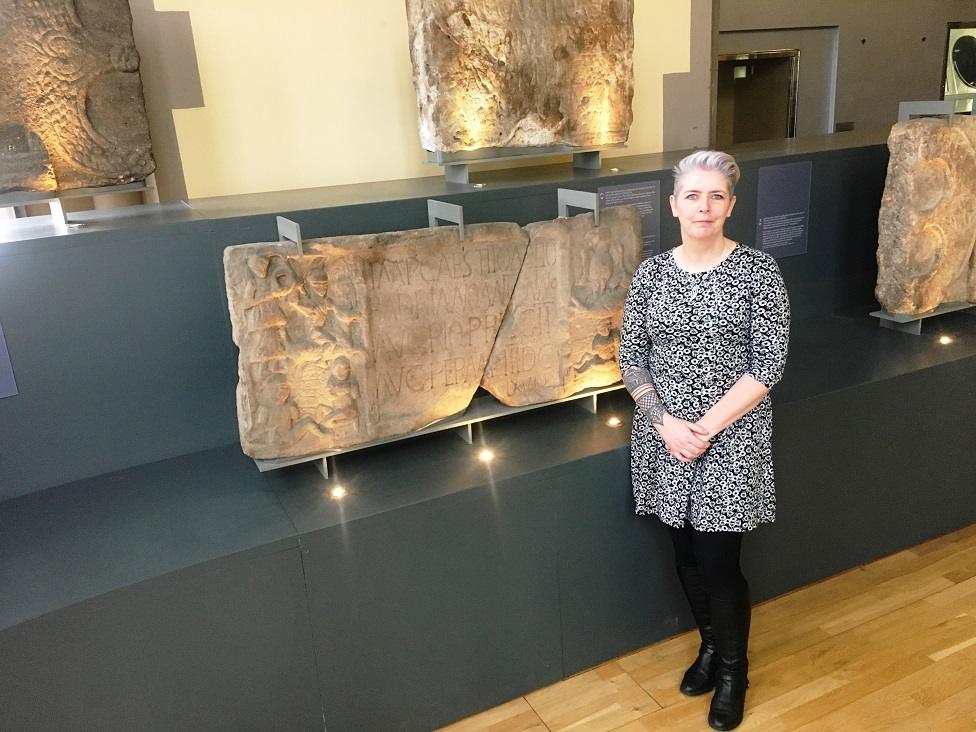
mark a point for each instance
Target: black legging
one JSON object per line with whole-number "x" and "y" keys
{"x": 715, "y": 554}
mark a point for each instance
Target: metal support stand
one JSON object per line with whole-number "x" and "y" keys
{"x": 53, "y": 199}
{"x": 456, "y": 164}
{"x": 57, "y": 213}
{"x": 589, "y": 403}
{"x": 457, "y": 173}
{"x": 589, "y": 160}
{"x": 567, "y": 197}
{"x": 913, "y": 110}
{"x": 465, "y": 433}
{"x": 289, "y": 230}
{"x": 913, "y": 323}
{"x": 438, "y": 211}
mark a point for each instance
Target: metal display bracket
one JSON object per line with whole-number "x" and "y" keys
{"x": 936, "y": 108}
{"x": 456, "y": 164}
{"x": 566, "y": 197}
{"x": 438, "y": 211}
{"x": 53, "y": 199}
{"x": 290, "y": 231}
{"x": 481, "y": 409}
{"x": 913, "y": 323}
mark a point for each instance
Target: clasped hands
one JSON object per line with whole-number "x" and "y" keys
{"x": 686, "y": 441}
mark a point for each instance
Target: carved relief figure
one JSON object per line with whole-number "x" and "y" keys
{"x": 561, "y": 333}
{"x": 71, "y": 108}
{"x": 509, "y": 73}
{"x": 364, "y": 337}
{"x": 927, "y": 223}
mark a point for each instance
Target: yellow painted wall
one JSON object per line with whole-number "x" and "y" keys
{"x": 306, "y": 93}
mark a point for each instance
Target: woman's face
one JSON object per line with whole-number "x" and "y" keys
{"x": 702, "y": 203}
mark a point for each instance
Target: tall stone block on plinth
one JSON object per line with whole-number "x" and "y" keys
{"x": 927, "y": 223}
{"x": 510, "y": 74}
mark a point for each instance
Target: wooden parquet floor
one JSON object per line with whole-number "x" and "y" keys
{"x": 887, "y": 646}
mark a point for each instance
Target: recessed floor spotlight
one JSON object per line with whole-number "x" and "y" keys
{"x": 614, "y": 422}
{"x": 486, "y": 456}
{"x": 338, "y": 492}
{"x": 945, "y": 340}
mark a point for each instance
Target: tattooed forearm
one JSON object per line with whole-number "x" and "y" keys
{"x": 641, "y": 387}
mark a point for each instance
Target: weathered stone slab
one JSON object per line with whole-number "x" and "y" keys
{"x": 364, "y": 337}
{"x": 510, "y": 73}
{"x": 562, "y": 329}
{"x": 72, "y": 113}
{"x": 927, "y": 223}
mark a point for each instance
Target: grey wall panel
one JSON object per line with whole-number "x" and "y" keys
{"x": 222, "y": 646}
{"x": 865, "y": 472}
{"x": 121, "y": 355}
{"x": 618, "y": 591}
{"x": 437, "y": 610}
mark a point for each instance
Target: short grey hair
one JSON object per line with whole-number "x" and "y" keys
{"x": 708, "y": 160}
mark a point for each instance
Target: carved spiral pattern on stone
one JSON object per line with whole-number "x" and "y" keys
{"x": 927, "y": 224}
{"x": 76, "y": 86}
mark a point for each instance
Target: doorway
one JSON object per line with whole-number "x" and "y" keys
{"x": 756, "y": 96}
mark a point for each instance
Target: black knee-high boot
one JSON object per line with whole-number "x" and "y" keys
{"x": 700, "y": 676}
{"x": 730, "y": 624}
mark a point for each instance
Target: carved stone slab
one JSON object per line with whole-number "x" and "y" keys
{"x": 927, "y": 224}
{"x": 364, "y": 337}
{"x": 562, "y": 328}
{"x": 72, "y": 113}
{"x": 510, "y": 73}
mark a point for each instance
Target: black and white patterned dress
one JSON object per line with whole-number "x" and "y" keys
{"x": 697, "y": 333}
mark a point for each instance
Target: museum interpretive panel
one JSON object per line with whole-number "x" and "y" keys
{"x": 511, "y": 74}
{"x": 72, "y": 113}
{"x": 927, "y": 224}
{"x": 361, "y": 338}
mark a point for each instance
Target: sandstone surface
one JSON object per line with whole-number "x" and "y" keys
{"x": 562, "y": 329}
{"x": 927, "y": 223}
{"x": 510, "y": 73}
{"x": 364, "y": 337}
{"x": 72, "y": 113}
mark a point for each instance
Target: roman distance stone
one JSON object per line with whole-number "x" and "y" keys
{"x": 364, "y": 337}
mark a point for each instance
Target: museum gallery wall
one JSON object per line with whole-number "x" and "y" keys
{"x": 72, "y": 113}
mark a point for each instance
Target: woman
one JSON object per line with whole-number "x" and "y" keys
{"x": 705, "y": 334}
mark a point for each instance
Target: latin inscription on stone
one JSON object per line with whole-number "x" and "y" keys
{"x": 510, "y": 73}
{"x": 927, "y": 224}
{"x": 71, "y": 107}
{"x": 562, "y": 329}
{"x": 364, "y": 337}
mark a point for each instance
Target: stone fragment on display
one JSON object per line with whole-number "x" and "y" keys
{"x": 562, "y": 329}
{"x": 511, "y": 74}
{"x": 72, "y": 113}
{"x": 927, "y": 223}
{"x": 364, "y": 337}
